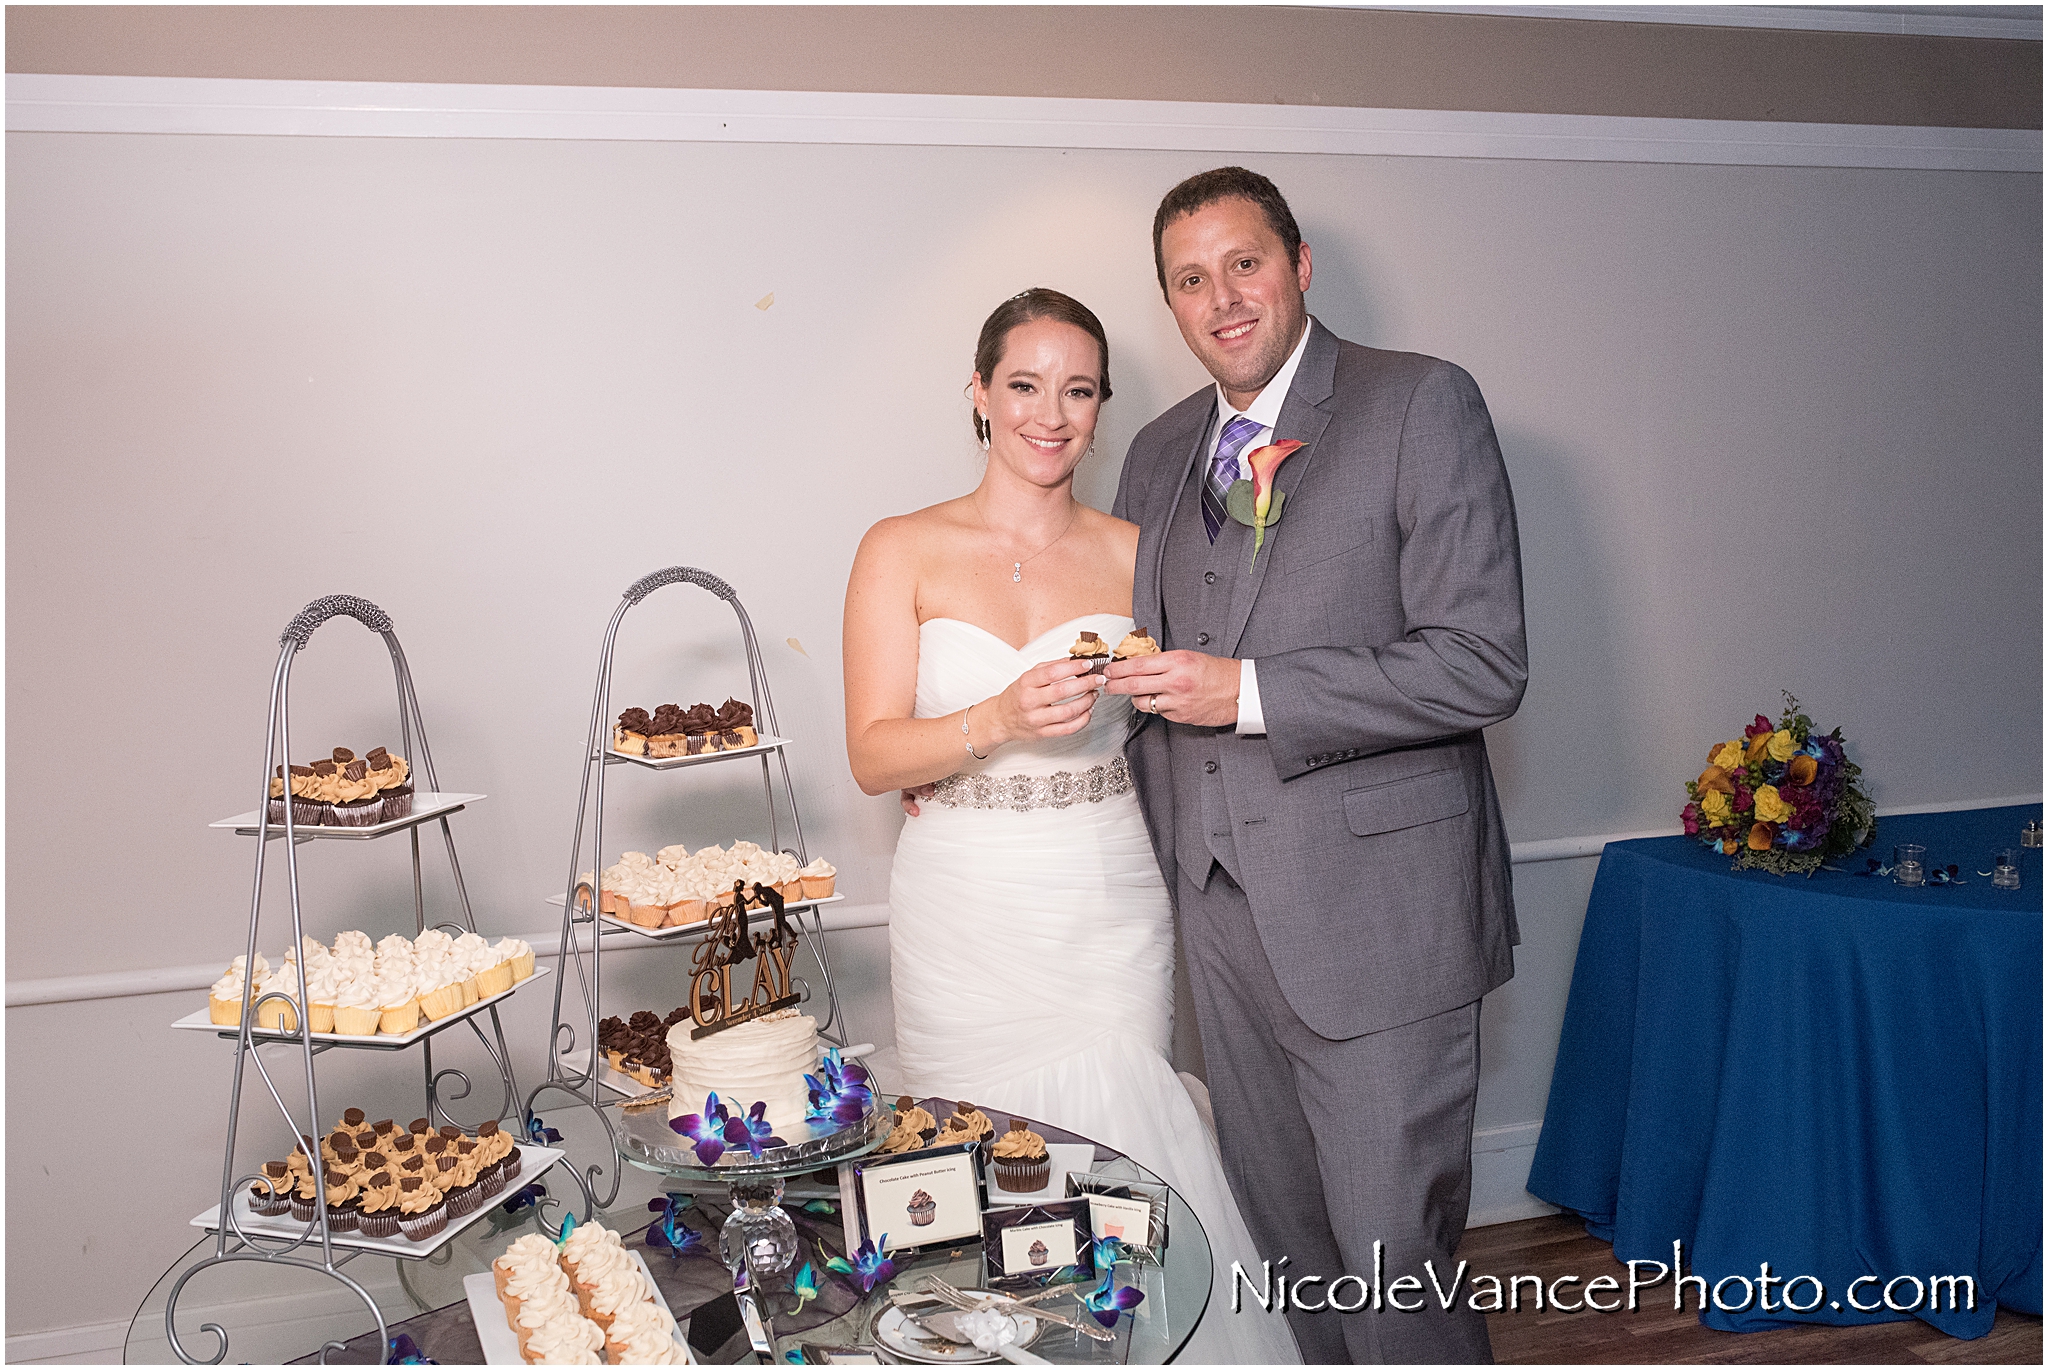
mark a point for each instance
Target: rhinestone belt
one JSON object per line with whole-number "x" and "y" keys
{"x": 1024, "y": 793}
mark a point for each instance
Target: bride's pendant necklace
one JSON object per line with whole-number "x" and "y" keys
{"x": 1017, "y": 567}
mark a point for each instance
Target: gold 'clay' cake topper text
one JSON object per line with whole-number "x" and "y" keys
{"x": 712, "y": 1004}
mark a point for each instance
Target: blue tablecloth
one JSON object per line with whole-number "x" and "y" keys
{"x": 1836, "y": 1075}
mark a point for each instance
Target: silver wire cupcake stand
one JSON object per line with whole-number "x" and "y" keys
{"x": 575, "y": 1070}
{"x": 317, "y": 1248}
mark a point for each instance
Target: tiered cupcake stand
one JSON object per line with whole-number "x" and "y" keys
{"x": 281, "y": 1242}
{"x": 576, "y": 1068}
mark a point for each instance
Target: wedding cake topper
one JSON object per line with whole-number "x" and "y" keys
{"x": 712, "y": 1003}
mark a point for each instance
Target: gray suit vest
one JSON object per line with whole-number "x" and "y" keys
{"x": 1195, "y": 588}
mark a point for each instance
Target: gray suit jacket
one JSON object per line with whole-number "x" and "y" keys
{"x": 1385, "y": 613}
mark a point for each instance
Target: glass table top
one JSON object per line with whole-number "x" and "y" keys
{"x": 276, "y": 1312}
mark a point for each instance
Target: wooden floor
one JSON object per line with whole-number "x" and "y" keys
{"x": 1657, "y": 1335}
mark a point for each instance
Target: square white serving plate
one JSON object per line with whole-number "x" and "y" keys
{"x": 669, "y": 763}
{"x": 202, "y": 1021}
{"x": 532, "y": 1161}
{"x": 1065, "y": 1156}
{"x": 501, "y": 1343}
{"x": 426, "y": 805}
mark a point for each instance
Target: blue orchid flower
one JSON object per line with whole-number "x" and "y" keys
{"x": 406, "y": 1351}
{"x": 840, "y": 1091}
{"x": 1105, "y": 1301}
{"x": 869, "y": 1266}
{"x": 709, "y": 1130}
{"x": 540, "y": 1134}
{"x": 669, "y": 1233}
{"x": 754, "y": 1132}
{"x": 806, "y": 1286}
{"x": 568, "y": 1226}
{"x": 528, "y": 1197}
{"x": 1108, "y": 1251}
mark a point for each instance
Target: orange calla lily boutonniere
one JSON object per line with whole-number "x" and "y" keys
{"x": 1255, "y": 503}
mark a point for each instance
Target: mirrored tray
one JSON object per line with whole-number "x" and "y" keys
{"x": 648, "y": 1141}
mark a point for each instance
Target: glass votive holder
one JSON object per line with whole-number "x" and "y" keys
{"x": 1909, "y": 864}
{"x": 2005, "y": 869}
{"x": 2030, "y": 836}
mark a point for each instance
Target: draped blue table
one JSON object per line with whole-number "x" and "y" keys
{"x": 1837, "y": 1076}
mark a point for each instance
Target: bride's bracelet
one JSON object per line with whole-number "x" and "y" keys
{"x": 969, "y": 744}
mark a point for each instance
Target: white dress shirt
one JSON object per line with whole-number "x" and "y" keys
{"x": 1265, "y": 412}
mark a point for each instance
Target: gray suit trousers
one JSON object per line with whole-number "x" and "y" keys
{"x": 1331, "y": 1145}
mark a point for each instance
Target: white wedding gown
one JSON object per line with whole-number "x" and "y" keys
{"x": 1031, "y": 959}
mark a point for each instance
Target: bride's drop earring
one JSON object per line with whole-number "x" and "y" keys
{"x": 987, "y": 431}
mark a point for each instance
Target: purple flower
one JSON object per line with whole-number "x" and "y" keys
{"x": 710, "y": 1130}
{"x": 753, "y": 1132}
{"x": 869, "y": 1266}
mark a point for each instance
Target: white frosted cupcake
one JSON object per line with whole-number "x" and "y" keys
{"x": 224, "y": 996}
{"x": 321, "y": 987}
{"x": 398, "y": 1003}
{"x": 440, "y": 990}
{"x": 820, "y": 877}
{"x": 520, "y": 955}
{"x": 357, "y": 1011}
{"x": 279, "y": 1015}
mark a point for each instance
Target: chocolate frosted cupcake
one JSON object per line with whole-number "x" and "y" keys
{"x": 922, "y": 1208}
{"x": 1039, "y": 1253}
{"x": 1022, "y": 1164}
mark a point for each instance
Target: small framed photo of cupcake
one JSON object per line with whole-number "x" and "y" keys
{"x": 926, "y": 1198}
{"x": 1029, "y": 1245}
{"x": 1133, "y": 1213}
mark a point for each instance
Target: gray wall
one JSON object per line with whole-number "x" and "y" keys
{"x": 1768, "y": 427}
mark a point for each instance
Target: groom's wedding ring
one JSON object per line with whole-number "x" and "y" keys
{"x": 1153, "y": 707}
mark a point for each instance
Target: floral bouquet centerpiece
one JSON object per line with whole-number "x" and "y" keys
{"x": 1781, "y": 799}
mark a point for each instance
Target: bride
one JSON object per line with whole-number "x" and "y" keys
{"x": 1031, "y": 938}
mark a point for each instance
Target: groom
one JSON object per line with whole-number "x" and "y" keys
{"x": 1312, "y": 768}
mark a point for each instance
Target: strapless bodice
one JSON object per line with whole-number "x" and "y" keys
{"x": 959, "y": 664}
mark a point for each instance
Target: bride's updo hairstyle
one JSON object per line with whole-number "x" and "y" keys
{"x": 1028, "y": 307}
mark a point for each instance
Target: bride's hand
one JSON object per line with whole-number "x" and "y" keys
{"x": 908, "y": 798}
{"x": 1046, "y": 701}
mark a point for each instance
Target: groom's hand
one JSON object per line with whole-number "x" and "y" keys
{"x": 1182, "y": 687}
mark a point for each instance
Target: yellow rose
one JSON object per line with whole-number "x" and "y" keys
{"x": 1770, "y": 805}
{"x": 1782, "y": 746}
{"x": 1715, "y": 806}
{"x": 1729, "y": 758}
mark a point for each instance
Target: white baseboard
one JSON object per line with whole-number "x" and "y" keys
{"x": 1501, "y": 1157}
{"x": 267, "y": 1329}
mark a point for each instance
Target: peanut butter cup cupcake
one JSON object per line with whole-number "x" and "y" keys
{"x": 1022, "y": 1164}
{"x": 379, "y": 1201}
{"x": 271, "y": 1194}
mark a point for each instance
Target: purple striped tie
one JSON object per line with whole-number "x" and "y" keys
{"x": 1223, "y": 472}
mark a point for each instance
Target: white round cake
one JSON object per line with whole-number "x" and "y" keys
{"x": 763, "y": 1061}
